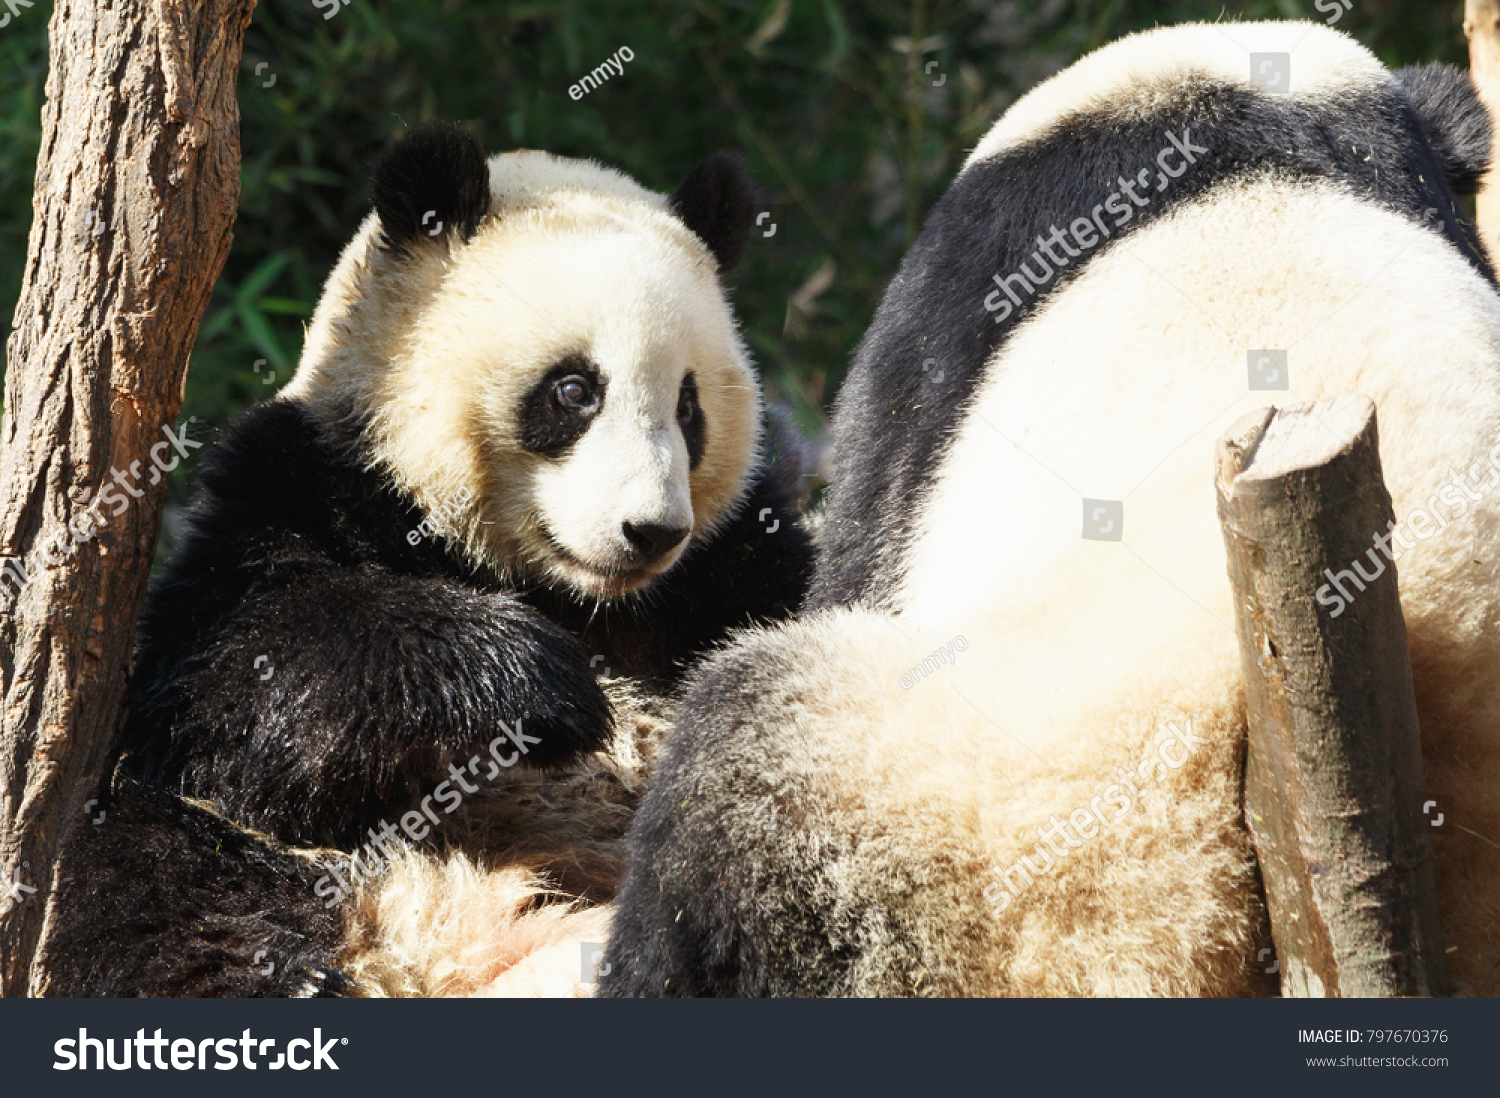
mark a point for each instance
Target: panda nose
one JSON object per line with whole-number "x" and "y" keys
{"x": 651, "y": 540}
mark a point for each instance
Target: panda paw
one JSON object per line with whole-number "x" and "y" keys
{"x": 555, "y": 710}
{"x": 314, "y": 981}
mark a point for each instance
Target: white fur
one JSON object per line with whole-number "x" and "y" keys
{"x": 435, "y": 353}
{"x": 439, "y": 350}
{"x": 1063, "y": 415}
{"x": 507, "y": 907}
{"x": 930, "y": 786}
{"x": 1143, "y": 72}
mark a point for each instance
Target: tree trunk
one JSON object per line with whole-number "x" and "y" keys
{"x": 1482, "y": 28}
{"x": 1333, "y": 778}
{"x": 137, "y": 183}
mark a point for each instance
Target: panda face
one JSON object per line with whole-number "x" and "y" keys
{"x": 572, "y": 363}
{"x": 610, "y": 534}
{"x": 632, "y": 408}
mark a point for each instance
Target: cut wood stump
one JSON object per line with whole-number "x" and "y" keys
{"x": 1333, "y": 778}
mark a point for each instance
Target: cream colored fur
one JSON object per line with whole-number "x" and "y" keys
{"x": 437, "y": 351}
{"x": 1079, "y": 650}
{"x": 1145, "y": 73}
{"x": 909, "y": 801}
{"x": 525, "y": 880}
{"x": 1081, "y": 655}
{"x": 433, "y": 354}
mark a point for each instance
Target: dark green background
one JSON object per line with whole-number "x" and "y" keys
{"x": 829, "y": 100}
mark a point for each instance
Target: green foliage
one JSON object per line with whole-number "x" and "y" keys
{"x": 853, "y": 116}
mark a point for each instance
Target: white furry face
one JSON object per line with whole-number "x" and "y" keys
{"x": 614, "y": 423}
{"x": 574, "y": 364}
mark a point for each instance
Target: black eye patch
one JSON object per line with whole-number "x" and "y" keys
{"x": 690, "y": 419}
{"x": 561, "y": 406}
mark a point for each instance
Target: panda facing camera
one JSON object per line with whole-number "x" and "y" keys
{"x": 533, "y": 359}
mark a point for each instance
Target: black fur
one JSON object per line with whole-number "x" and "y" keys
{"x": 385, "y": 658}
{"x": 437, "y": 169}
{"x": 690, "y": 419}
{"x": 717, "y": 201}
{"x": 549, "y": 428}
{"x": 718, "y": 901}
{"x": 162, "y": 897}
{"x": 892, "y": 424}
{"x": 1457, "y": 123}
{"x": 753, "y": 570}
{"x": 709, "y": 906}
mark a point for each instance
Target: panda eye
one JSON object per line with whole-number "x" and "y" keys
{"x": 575, "y": 393}
{"x": 690, "y": 419}
{"x": 687, "y": 401}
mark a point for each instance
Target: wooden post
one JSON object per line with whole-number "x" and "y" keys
{"x": 137, "y": 184}
{"x": 1334, "y": 774}
{"x": 1482, "y": 28}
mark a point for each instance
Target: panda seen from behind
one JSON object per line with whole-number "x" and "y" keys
{"x": 1001, "y": 752}
{"x": 523, "y": 450}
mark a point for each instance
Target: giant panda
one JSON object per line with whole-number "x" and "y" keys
{"x": 1000, "y": 752}
{"x": 397, "y": 691}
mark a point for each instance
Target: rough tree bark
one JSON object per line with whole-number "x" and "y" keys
{"x": 1482, "y": 28}
{"x": 137, "y": 184}
{"x": 1334, "y": 772}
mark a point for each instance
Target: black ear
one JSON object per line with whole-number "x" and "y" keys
{"x": 717, "y": 201}
{"x": 432, "y": 182}
{"x": 1457, "y": 123}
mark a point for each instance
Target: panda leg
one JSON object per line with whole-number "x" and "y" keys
{"x": 819, "y": 828}
{"x": 160, "y": 897}
{"x": 332, "y": 701}
{"x": 751, "y": 870}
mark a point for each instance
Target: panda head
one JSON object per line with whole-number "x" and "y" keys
{"x": 549, "y": 340}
